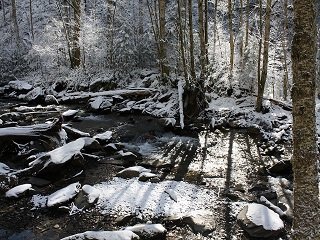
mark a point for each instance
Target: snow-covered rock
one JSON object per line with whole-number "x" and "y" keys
{"x": 50, "y": 99}
{"x": 4, "y": 169}
{"x": 35, "y": 95}
{"x": 87, "y": 196}
{"x": 69, "y": 114}
{"x": 104, "y": 137}
{"x": 154, "y": 231}
{"x": 200, "y": 222}
{"x": 18, "y": 190}
{"x": 132, "y": 172}
{"x": 74, "y": 133}
{"x": 145, "y": 176}
{"x": 19, "y": 85}
{"x": 259, "y": 221}
{"x": 100, "y": 102}
{"x": 172, "y": 194}
{"x": 63, "y": 195}
{"x": 104, "y": 235}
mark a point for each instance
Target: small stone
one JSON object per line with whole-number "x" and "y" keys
{"x": 56, "y": 226}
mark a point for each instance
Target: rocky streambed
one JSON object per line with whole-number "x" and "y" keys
{"x": 123, "y": 175}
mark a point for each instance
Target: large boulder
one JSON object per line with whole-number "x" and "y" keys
{"x": 132, "y": 172}
{"x": 260, "y": 222}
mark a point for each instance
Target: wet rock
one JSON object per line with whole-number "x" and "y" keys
{"x": 259, "y": 187}
{"x": 149, "y": 231}
{"x": 260, "y": 222}
{"x": 12, "y": 117}
{"x": 281, "y": 168}
{"x": 39, "y": 182}
{"x": 110, "y": 148}
{"x": 268, "y": 194}
{"x": 132, "y": 172}
{"x": 285, "y": 202}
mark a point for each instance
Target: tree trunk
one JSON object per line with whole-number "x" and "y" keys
{"x": 206, "y": 30}
{"x": 305, "y": 152}
{"x": 76, "y": 54}
{"x": 15, "y": 23}
{"x": 215, "y": 26}
{"x": 247, "y": 22}
{"x": 162, "y": 40}
{"x": 284, "y": 49}
{"x": 31, "y": 19}
{"x": 263, "y": 78}
{"x": 181, "y": 40}
{"x": 3, "y": 12}
{"x": 240, "y": 30}
{"x": 202, "y": 39}
{"x": 231, "y": 38}
{"x": 191, "y": 40}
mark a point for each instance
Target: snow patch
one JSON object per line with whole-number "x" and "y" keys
{"x": 104, "y": 235}
{"x": 64, "y": 194}
{"x": 18, "y": 190}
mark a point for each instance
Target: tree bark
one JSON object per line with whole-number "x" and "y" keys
{"x": 263, "y": 78}
{"x": 15, "y": 23}
{"x": 202, "y": 39}
{"x": 76, "y": 52}
{"x": 247, "y": 22}
{"x": 3, "y": 12}
{"x": 284, "y": 49}
{"x": 31, "y": 19}
{"x": 162, "y": 40}
{"x": 181, "y": 40}
{"x": 305, "y": 152}
{"x": 191, "y": 40}
{"x": 231, "y": 38}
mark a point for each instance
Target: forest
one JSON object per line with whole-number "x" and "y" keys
{"x": 159, "y": 119}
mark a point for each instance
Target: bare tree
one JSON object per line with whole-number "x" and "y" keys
{"x": 15, "y": 23}
{"x": 284, "y": 49}
{"x": 264, "y": 72}
{"x": 306, "y": 208}
{"x": 231, "y": 37}
{"x": 31, "y": 19}
{"x": 191, "y": 41}
{"x": 162, "y": 39}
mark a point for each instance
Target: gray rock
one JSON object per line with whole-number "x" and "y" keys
{"x": 145, "y": 176}
{"x": 281, "y": 168}
{"x": 199, "y": 223}
{"x": 149, "y": 231}
{"x": 132, "y": 172}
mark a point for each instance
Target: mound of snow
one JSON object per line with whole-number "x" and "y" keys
{"x": 63, "y": 195}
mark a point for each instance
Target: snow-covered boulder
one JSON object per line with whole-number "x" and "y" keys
{"x": 63, "y": 195}
{"x": 148, "y": 231}
{"x": 200, "y": 222}
{"x": 132, "y": 172}
{"x": 74, "y": 133}
{"x": 100, "y": 103}
{"x": 18, "y": 190}
{"x": 62, "y": 161}
{"x": 104, "y": 235}
{"x": 36, "y": 95}
{"x": 50, "y": 99}
{"x": 69, "y": 114}
{"x": 87, "y": 196}
{"x": 19, "y": 86}
{"x": 259, "y": 221}
{"x": 103, "y": 137}
{"x": 145, "y": 176}
{"x": 4, "y": 169}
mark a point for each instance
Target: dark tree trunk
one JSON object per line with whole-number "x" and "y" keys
{"x": 305, "y": 152}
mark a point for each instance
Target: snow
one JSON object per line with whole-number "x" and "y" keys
{"x": 104, "y": 235}
{"x": 120, "y": 197}
{"x": 4, "y": 169}
{"x": 271, "y": 206}
{"x": 92, "y": 192}
{"x": 170, "y": 121}
{"x": 64, "y": 194}
{"x": 95, "y": 103}
{"x": 172, "y": 194}
{"x": 263, "y": 216}
{"x": 147, "y": 228}
{"x": 70, "y": 113}
{"x": 107, "y": 135}
{"x": 18, "y": 190}
{"x": 19, "y": 85}
{"x": 39, "y": 201}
